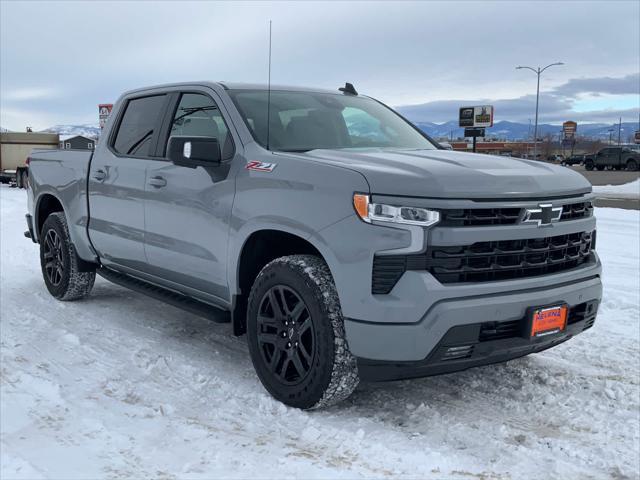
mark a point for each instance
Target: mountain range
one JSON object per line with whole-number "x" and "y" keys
{"x": 520, "y": 131}
{"x": 503, "y": 130}
{"x": 87, "y": 130}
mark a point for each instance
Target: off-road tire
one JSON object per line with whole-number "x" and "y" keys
{"x": 73, "y": 284}
{"x": 632, "y": 165}
{"x": 588, "y": 165}
{"x": 333, "y": 372}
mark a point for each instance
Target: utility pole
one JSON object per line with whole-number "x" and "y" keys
{"x": 610, "y": 132}
{"x": 537, "y": 71}
{"x": 528, "y": 138}
{"x": 619, "y": 129}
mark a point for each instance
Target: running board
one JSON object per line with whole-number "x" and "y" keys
{"x": 176, "y": 299}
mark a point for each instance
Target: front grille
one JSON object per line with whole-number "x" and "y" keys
{"x": 475, "y": 217}
{"x": 585, "y": 311}
{"x": 575, "y": 211}
{"x": 472, "y": 217}
{"x": 500, "y": 330}
{"x": 503, "y": 260}
{"x": 487, "y": 261}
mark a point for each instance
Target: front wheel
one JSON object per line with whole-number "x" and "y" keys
{"x": 632, "y": 165}
{"x": 600, "y": 168}
{"x": 296, "y": 336}
{"x": 59, "y": 262}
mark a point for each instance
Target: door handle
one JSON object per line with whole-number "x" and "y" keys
{"x": 157, "y": 182}
{"x": 100, "y": 175}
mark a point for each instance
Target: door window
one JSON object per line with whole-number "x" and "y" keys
{"x": 137, "y": 126}
{"x": 198, "y": 115}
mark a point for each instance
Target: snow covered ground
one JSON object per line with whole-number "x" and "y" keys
{"x": 119, "y": 386}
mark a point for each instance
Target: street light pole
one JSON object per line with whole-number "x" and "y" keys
{"x": 537, "y": 71}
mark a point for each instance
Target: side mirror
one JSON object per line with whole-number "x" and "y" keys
{"x": 194, "y": 151}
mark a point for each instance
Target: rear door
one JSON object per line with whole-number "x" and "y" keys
{"x": 188, "y": 206}
{"x": 117, "y": 180}
{"x": 602, "y": 157}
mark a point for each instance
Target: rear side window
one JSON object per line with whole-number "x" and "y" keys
{"x": 137, "y": 126}
{"x": 198, "y": 115}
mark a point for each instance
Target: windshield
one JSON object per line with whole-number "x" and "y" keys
{"x": 302, "y": 121}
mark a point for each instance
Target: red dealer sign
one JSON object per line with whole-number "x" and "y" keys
{"x": 104, "y": 110}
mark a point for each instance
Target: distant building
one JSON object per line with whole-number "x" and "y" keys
{"x": 77, "y": 142}
{"x": 15, "y": 147}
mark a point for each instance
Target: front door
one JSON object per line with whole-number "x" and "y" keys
{"x": 188, "y": 207}
{"x": 117, "y": 179}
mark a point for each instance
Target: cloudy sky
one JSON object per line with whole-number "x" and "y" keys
{"x": 58, "y": 60}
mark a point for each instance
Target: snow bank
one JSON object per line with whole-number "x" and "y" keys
{"x": 631, "y": 189}
{"x": 121, "y": 386}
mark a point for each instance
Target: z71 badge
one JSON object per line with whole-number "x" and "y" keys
{"x": 261, "y": 166}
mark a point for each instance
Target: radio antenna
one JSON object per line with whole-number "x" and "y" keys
{"x": 269, "y": 91}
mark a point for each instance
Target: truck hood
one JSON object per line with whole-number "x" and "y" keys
{"x": 449, "y": 174}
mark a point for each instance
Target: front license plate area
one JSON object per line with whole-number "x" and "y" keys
{"x": 548, "y": 321}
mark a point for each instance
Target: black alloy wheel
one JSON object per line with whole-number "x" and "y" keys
{"x": 54, "y": 266}
{"x": 285, "y": 335}
{"x": 60, "y": 265}
{"x": 296, "y": 334}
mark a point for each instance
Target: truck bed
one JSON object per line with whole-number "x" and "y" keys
{"x": 63, "y": 174}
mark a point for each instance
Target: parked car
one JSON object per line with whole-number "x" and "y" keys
{"x": 615, "y": 158}
{"x": 340, "y": 238}
{"x": 574, "y": 160}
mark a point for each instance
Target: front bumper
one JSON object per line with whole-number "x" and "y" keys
{"x": 375, "y": 342}
{"x": 479, "y": 344}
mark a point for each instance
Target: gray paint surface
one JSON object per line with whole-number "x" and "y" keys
{"x": 189, "y": 234}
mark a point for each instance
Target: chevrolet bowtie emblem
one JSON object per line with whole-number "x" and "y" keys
{"x": 544, "y": 215}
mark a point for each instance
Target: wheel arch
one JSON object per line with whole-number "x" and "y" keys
{"x": 259, "y": 248}
{"x": 46, "y": 204}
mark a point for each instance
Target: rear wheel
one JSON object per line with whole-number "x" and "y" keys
{"x": 632, "y": 165}
{"x": 588, "y": 164}
{"x": 295, "y": 331}
{"x": 59, "y": 261}
{"x": 600, "y": 168}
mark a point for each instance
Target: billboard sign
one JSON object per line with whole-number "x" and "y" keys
{"x": 569, "y": 130}
{"x": 104, "y": 110}
{"x": 480, "y": 116}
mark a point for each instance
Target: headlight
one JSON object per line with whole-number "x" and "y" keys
{"x": 380, "y": 212}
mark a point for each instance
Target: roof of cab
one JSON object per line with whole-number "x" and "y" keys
{"x": 264, "y": 86}
{"x": 233, "y": 86}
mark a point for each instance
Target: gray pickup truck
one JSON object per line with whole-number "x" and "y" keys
{"x": 613, "y": 158}
{"x": 344, "y": 242}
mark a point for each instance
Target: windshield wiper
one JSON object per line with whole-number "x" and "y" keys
{"x": 295, "y": 150}
{"x": 135, "y": 146}
{"x": 191, "y": 110}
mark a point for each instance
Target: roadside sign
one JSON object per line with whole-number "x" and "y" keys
{"x": 474, "y": 132}
{"x": 636, "y": 137}
{"x": 479, "y": 116}
{"x": 104, "y": 110}
{"x": 569, "y": 130}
